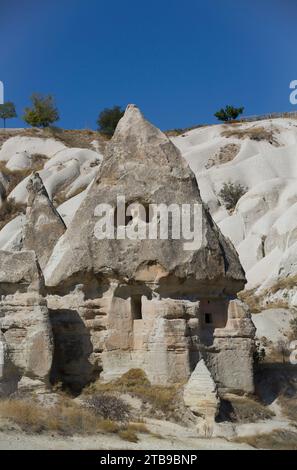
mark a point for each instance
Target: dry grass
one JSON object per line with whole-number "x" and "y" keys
{"x": 276, "y": 440}
{"x": 9, "y": 210}
{"x": 38, "y": 160}
{"x": 137, "y": 384}
{"x": 289, "y": 407}
{"x": 257, "y": 303}
{"x": 80, "y": 138}
{"x": 25, "y": 415}
{"x": 62, "y": 197}
{"x": 66, "y": 418}
{"x": 286, "y": 283}
{"x": 225, "y": 154}
{"x": 245, "y": 410}
{"x": 253, "y": 301}
{"x": 14, "y": 177}
{"x": 138, "y": 427}
{"x": 257, "y": 133}
{"x": 128, "y": 435}
{"x": 108, "y": 407}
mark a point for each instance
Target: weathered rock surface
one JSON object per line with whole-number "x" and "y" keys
{"x": 44, "y": 225}
{"x": 165, "y": 304}
{"x": 143, "y": 165}
{"x": 155, "y": 305}
{"x": 19, "y": 271}
{"x": 263, "y": 224}
{"x": 200, "y": 395}
{"x": 230, "y": 357}
{"x": 26, "y": 344}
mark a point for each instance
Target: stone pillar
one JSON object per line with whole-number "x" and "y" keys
{"x": 231, "y": 357}
{"x": 26, "y": 343}
{"x": 200, "y": 395}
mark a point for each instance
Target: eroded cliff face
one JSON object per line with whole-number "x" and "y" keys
{"x": 118, "y": 304}
{"x": 44, "y": 226}
{"x": 142, "y": 165}
{"x": 26, "y": 342}
{"x": 110, "y": 305}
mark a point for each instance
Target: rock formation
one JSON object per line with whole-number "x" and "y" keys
{"x": 143, "y": 165}
{"x": 26, "y": 344}
{"x": 153, "y": 301}
{"x": 43, "y": 226}
{"x": 165, "y": 303}
{"x": 200, "y": 395}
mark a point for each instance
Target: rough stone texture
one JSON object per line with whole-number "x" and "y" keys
{"x": 225, "y": 154}
{"x": 79, "y": 329}
{"x": 44, "y": 226}
{"x": 159, "y": 337}
{"x": 143, "y": 165}
{"x": 117, "y": 304}
{"x": 26, "y": 345}
{"x": 19, "y": 269}
{"x": 149, "y": 304}
{"x": 200, "y": 395}
{"x": 4, "y": 183}
{"x": 231, "y": 355}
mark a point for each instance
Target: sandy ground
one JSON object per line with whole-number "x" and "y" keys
{"x": 18, "y": 441}
{"x": 174, "y": 437}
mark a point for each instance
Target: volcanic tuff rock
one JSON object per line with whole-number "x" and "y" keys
{"x": 119, "y": 304}
{"x": 143, "y": 165}
{"x": 200, "y": 395}
{"x": 26, "y": 344}
{"x": 44, "y": 225}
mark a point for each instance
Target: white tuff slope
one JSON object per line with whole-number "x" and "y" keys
{"x": 65, "y": 171}
{"x": 263, "y": 226}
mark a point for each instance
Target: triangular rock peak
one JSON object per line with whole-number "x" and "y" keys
{"x": 157, "y": 303}
{"x": 143, "y": 167}
{"x": 44, "y": 225}
{"x": 200, "y": 395}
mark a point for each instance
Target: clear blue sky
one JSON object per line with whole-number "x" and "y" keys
{"x": 178, "y": 60}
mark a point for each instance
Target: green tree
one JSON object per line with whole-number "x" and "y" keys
{"x": 108, "y": 119}
{"x": 229, "y": 113}
{"x": 7, "y": 111}
{"x": 43, "y": 111}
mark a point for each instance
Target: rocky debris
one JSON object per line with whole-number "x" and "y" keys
{"x": 26, "y": 344}
{"x": 200, "y": 395}
{"x": 224, "y": 155}
{"x": 44, "y": 225}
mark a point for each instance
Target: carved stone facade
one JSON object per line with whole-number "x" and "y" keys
{"x": 113, "y": 305}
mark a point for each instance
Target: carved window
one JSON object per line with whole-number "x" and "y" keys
{"x": 136, "y": 307}
{"x": 208, "y": 318}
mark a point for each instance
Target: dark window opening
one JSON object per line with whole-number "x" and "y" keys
{"x": 208, "y": 318}
{"x": 136, "y": 307}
